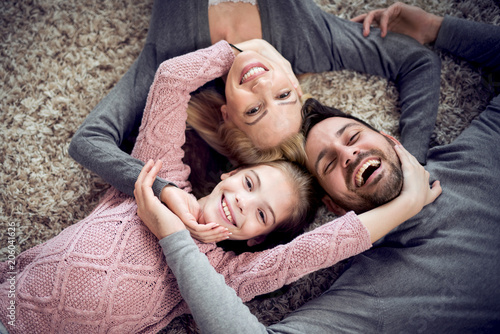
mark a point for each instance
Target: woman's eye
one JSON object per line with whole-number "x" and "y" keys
{"x": 284, "y": 95}
{"x": 253, "y": 111}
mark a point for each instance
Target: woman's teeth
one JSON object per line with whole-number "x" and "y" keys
{"x": 226, "y": 211}
{"x": 359, "y": 176}
{"x": 252, "y": 71}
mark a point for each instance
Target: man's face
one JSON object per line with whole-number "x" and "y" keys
{"x": 357, "y": 166}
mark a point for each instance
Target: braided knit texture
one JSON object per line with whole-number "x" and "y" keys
{"x": 107, "y": 273}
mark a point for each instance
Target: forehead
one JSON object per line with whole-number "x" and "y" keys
{"x": 276, "y": 186}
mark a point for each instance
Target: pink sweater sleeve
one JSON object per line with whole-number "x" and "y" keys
{"x": 252, "y": 274}
{"x": 162, "y": 131}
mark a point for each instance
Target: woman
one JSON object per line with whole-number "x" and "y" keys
{"x": 312, "y": 40}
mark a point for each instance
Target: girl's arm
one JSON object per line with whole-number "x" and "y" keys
{"x": 415, "y": 194}
{"x": 252, "y": 274}
{"x": 161, "y": 134}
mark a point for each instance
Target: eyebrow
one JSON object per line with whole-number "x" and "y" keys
{"x": 265, "y": 112}
{"x": 259, "y": 184}
{"x": 323, "y": 152}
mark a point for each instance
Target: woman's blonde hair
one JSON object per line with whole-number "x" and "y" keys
{"x": 204, "y": 115}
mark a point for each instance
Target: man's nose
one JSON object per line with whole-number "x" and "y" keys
{"x": 348, "y": 155}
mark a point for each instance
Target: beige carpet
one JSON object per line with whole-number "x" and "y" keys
{"x": 59, "y": 58}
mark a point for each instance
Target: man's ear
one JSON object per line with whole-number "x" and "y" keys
{"x": 332, "y": 206}
{"x": 256, "y": 240}
{"x": 391, "y": 138}
{"x": 223, "y": 110}
{"x": 228, "y": 174}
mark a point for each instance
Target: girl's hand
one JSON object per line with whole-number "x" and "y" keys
{"x": 416, "y": 188}
{"x": 186, "y": 207}
{"x": 267, "y": 50}
{"x": 156, "y": 216}
{"x": 404, "y": 19}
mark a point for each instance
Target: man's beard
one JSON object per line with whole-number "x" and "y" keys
{"x": 388, "y": 188}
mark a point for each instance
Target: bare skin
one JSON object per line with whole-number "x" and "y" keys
{"x": 403, "y": 19}
{"x": 234, "y": 22}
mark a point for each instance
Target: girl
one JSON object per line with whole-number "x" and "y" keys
{"x": 107, "y": 273}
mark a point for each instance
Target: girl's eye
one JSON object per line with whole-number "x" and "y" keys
{"x": 262, "y": 216}
{"x": 284, "y": 95}
{"x": 248, "y": 183}
{"x": 253, "y": 111}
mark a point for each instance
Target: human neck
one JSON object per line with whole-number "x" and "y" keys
{"x": 234, "y": 22}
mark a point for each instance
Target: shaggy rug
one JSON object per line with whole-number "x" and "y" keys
{"x": 59, "y": 58}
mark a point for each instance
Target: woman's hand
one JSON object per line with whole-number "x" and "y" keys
{"x": 186, "y": 207}
{"x": 404, "y": 19}
{"x": 156, "y": 216}
{"x": 267, "y": 50}
{"x": 416, "y": 188}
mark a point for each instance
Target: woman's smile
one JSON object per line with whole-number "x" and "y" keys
{"x": 252, "y": 71}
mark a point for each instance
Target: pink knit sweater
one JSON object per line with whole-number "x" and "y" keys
{"x": 107, "y": 273}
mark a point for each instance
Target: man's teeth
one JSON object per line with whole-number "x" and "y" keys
{"x": 252, "y": 71}
{"x": 226, "y": 211}
{"x": 359, "y": 176}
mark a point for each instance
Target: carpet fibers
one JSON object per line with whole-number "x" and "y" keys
{"x": 58, "y": 59}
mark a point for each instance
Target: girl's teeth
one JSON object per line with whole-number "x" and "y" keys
{"x": 227, "y": 212}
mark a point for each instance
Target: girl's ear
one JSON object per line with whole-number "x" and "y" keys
{"x": 256, "y": 240}
{"x": 231, "y": 173}
{"x": 223, "y": 110}
{"x": 390, "y": 137}
{"x": 332, "y": 206}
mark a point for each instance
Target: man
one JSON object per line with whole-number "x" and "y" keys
{"x": 438, "y": 272}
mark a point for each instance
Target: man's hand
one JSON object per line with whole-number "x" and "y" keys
{"x": 156, "y": 216}
{"x": 186, "y": 207}
{"x": 404, "y": 19}
{"x": 267, "y": 50}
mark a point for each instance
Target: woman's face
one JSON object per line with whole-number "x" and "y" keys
{"x": 250, "y": 202}
{"x": 261, "y": 100}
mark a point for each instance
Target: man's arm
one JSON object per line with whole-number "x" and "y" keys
{"x": 215, "y": 306}
{"x": 316, "y": 41}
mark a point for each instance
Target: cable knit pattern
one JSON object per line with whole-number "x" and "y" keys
{"x": 107, "y": 273}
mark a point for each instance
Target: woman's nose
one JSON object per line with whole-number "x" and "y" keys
{"x": 261, "y": 83}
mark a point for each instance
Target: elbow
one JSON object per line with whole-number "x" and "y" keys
{"x": 76, "y": 146}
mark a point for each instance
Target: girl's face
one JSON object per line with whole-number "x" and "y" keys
{"x": 261, "y": 100}
{"x": 250, "y": 202}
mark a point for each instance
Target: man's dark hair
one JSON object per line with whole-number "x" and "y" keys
{"x": 314, "y": 112}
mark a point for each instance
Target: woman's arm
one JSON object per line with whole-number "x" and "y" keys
{"x": 161, "y": 134}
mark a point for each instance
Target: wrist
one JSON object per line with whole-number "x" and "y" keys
{"x": 435, "y": 23}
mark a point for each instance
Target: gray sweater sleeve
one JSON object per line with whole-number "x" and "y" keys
{"x": 174, "y": 30}
{"x": 316, "y": 41}
{"x": 475, "y": 42}
{"x": 205, "y": 291}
